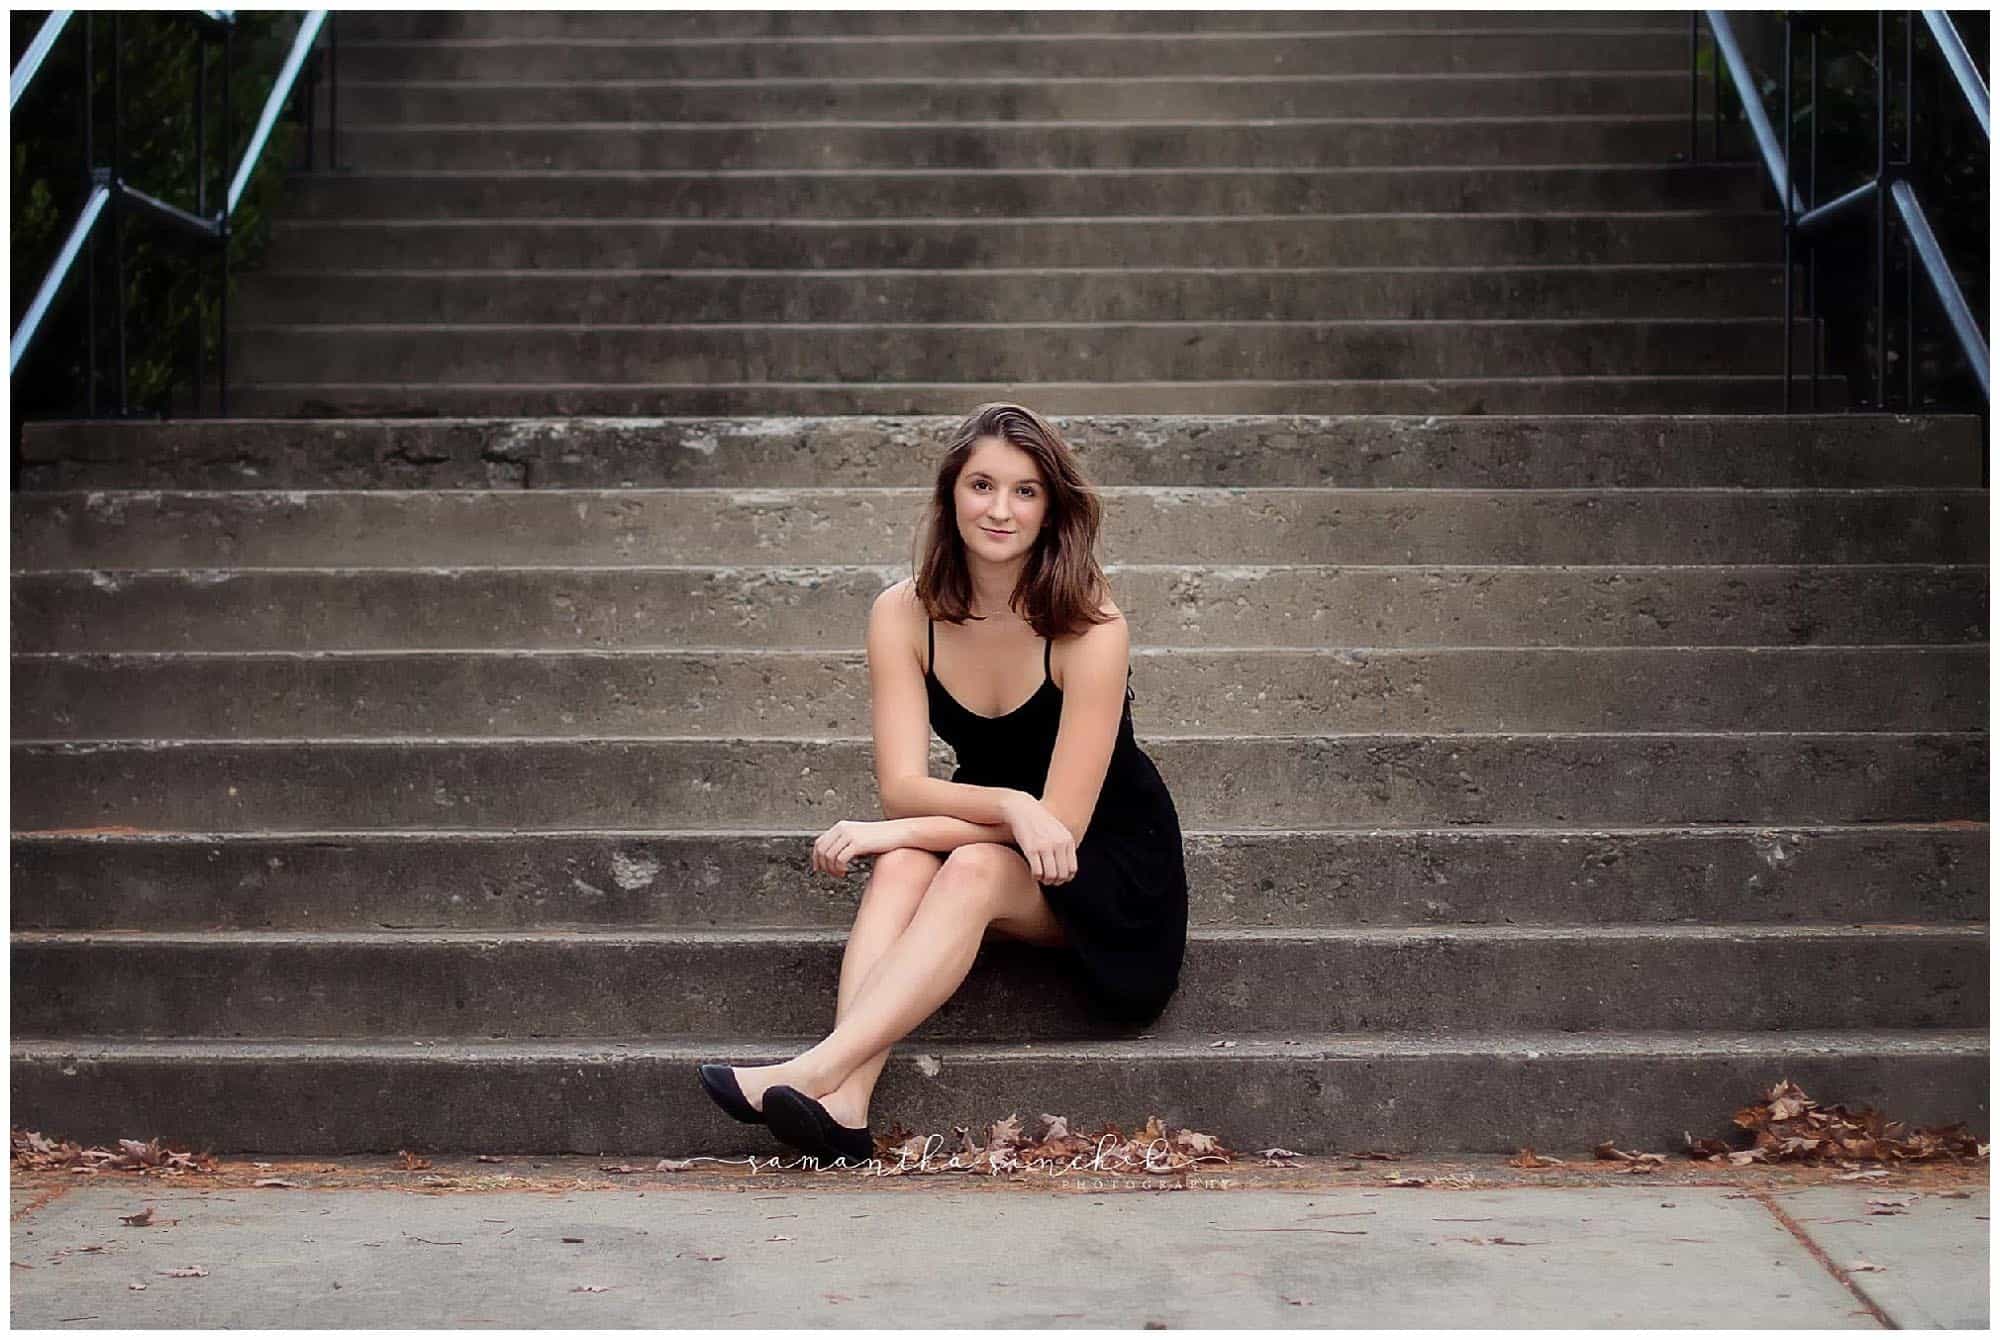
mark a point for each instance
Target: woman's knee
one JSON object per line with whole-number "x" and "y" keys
{"x": 901, "y": 874}
{"x": 904, "y": 864}
{"x": 974, "y": 875}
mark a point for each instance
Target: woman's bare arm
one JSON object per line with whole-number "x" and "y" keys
{"x": 920, "y": 797}
{"x": 901, "y": 710}
{"x": 942, "y": 833}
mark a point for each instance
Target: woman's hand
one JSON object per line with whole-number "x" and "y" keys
{"x": 1044, "y": 839}
{"x": 851, "y": 838}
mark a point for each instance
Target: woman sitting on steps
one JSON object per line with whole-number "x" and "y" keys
{"x": 1055, "y": 829}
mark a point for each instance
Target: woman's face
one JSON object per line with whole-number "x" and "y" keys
{"x": 1001, "y": 500}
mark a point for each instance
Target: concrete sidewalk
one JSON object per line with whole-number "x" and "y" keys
{"x": 556, "y": 1242}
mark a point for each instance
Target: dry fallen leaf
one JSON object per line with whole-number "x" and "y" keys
{"x": 35, "y": 1151}
{"x": 273, "y": 1181}
{"x": 1788, "y": 1125}
{"x": 673, "y": 1165}
{"x": 135, "y": 1284}
{"x": 139, "y": 1220}
{"x": 1866, "y": 1265}
{"x": 1528, "y": 1158}
{"x": 184, "y": 1272}
{"x": 409, "y": 1162}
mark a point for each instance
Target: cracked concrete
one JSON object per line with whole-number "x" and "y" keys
{"x": 542, "y": 1242}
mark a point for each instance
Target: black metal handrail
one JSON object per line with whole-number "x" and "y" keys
{"x": 112, "y": 196}
{"x": 1803, "y": 220}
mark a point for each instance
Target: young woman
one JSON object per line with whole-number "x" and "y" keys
{"x": 1056, "y": 827}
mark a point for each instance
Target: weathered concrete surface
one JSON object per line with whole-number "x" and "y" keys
{"x": 1756, "y": 450}
{"x": 1211, "y": 527}
{"x": 469, "y": 24}
{"x": 1221, "y": 781}
{"x": 1932, "y": 1256}
{"x": 1133, "y": 352}
{"x": 641, "y": 982}
{"x": 1090, "y": 1257}
{"x": 785, "y": 694}
{"x": 597, "y": 57}
{"x": 969, "y": 97}
{"x": 1101, "y": 294}
{"x": 1480, "y": 1091}
{"x": 1402, "y": 606}
{"x": 1665, "y": 393}
{"x": 1285, "y": 239}
{"x": 1935, "y": 874}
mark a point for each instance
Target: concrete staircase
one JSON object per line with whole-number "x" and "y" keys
{"x": 845, "y": 213}
{"x": 1549, "y": 776}
{"x": 451, "y": 784}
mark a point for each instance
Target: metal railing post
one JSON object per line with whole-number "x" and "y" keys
{"x": 89, "y": 188}
{"x": 1812, "y": 202}
{"x": 117, "y": 213}
{"x": 1881, "y": 212}
{"x": 222, "y": 299}
{"x": 1785, "y": 217}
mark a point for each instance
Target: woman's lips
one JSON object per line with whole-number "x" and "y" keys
{"x": 996, "y": 534}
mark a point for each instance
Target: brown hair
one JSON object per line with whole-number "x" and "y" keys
{"x": 1061, "y": 584}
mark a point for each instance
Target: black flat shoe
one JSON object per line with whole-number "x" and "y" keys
{"x": 806, "y": 1126}
{"x": 719, "y": 1083}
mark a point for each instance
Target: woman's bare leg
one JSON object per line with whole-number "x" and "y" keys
{"x": 896, "y": 886}
{"x": 848, "y": 1104}
{"x": 982, "y": 884}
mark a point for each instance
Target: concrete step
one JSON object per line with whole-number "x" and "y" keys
{"x": 1349, "y": 240}
{"x": 968, "y": 193}
{"x": 594, "y": 297}
{"x": 491, "y": 25}
{"x": 376, "y": 695}
{"x": 154, "y": 530}
{"x": 1312, "y": 49}
{"x": 962, "y": 97}
{"x": 1935, "y": 874}
{"x": 1307, "y": 780}
{"x": 1133, "y": 351}
{"x": 1468, "y": 451}
{"x": 1316, "y": 1093}
{"x": 1297, "y": 142}
{"x": 1623, "y": 394}
{"x": 759, "y": 607}
{"x": 646, "y": 982}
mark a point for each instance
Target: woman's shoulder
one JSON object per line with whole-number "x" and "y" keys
{"x": 900, "y": 599}
{"x": 900, "y": 614}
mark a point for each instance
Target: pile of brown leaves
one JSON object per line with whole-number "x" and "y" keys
{"x": 35, "y": 1151}
{"x": 1053, "y": 1148}
{"x": 1792, "y": 1127}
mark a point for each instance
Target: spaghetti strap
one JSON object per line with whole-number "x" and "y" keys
{"x": 1048, "y": 643}
{"x": 930, "y": 630}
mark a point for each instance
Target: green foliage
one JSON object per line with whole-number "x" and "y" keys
{"x": 157, "y": 154}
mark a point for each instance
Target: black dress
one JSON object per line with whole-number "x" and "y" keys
{"x": 1125, "y": 912}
